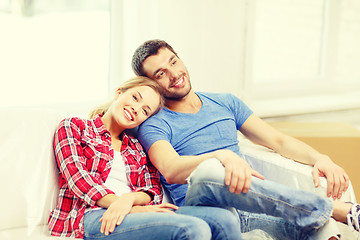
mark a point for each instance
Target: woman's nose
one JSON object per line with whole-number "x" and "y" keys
{"x": 134, "y": 110}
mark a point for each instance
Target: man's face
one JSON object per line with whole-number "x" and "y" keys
{"x": 170, "y": 72}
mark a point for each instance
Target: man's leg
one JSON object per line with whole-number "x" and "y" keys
{"x": 276, "y": 227}
{"x": 305, "y": 210}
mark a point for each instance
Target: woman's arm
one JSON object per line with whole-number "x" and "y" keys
{"x": 72, "y": 163}
{"x": 143, "y": 176}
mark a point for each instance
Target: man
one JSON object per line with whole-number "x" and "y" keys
{"x": 195, "y": 127}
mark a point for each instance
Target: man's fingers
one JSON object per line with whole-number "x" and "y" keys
{"x": 239, "y": 182}
{"x": 336, "y": 188}
{"x": 257, "y": 174}
{"x": 247, "y": 182}
{"x": 330, "y": 185}
{"x": 316, "y": 178}
{"x": 228, "y": 174}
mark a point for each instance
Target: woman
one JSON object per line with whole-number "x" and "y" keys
{"x": 109, "y": 190}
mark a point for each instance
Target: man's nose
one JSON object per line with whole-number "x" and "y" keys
{"x": 174, "y": 74}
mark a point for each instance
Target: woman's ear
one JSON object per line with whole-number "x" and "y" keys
{"x": 117, "y": 92}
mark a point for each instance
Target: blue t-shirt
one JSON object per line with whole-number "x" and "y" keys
{"x": 213, "y": 127}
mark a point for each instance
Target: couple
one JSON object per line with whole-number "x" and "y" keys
{"x": 105, "y": 176}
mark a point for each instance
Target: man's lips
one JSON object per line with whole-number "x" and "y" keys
{"x": 128, "y": 115}
{"x": 180, "y": 82}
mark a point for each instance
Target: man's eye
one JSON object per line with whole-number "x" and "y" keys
{"x": 174, "y": 62}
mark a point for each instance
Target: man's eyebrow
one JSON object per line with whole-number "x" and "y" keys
{"x": 172, "y": 57}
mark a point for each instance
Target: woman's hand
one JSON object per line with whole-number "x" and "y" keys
{"x": 123, "y": 205}
{"x": 115, "y": 213}
{"x": 164, "y": 207}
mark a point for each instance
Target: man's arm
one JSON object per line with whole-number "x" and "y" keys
{"x": 259, "y": 132}
{"x": 176, "y": 168}
{"x": 172, "y": 166}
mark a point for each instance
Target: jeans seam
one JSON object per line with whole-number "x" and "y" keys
{"x": 135, "y": 228}
{"x": 322, "y": 217}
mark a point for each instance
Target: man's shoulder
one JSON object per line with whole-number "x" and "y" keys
{"x": 222, "y": 98}
{"x": 158, "y": 120}
{"x": 159, "y": 117}
{"x": 214, "y": 95}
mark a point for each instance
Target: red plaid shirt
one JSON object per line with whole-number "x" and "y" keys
{"x": 84, "y": 156}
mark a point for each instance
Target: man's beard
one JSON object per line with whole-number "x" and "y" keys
{"x": 176, "y": 97}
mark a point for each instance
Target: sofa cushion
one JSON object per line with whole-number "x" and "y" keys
{"x": 28, "y": 173}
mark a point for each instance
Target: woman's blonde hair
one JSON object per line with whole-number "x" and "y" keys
{"x": 131, "y": 83}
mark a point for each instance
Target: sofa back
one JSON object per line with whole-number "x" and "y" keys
{"x": 28, "y": 173}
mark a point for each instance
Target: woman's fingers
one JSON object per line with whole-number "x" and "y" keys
{"x": 110, "y": 221}
{"x": 168, "y": 205}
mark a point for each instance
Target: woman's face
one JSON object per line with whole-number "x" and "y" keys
{"x": 135, "y": 105}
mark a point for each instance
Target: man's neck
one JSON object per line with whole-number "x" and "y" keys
{"x": 191, "y": 103}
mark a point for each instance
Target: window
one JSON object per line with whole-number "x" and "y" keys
{"x": 304, "y": 53}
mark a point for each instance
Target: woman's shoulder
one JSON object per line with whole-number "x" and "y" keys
{"x": 73, "y": 122}
{"x": 133, "y": 142}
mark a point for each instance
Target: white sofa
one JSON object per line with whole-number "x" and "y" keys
{"x": 28, "y": 174}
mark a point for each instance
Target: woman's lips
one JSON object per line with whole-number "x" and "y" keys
{"x": 128, "y": 115}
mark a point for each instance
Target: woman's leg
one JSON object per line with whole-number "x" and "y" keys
{"x": 303, "y": 209}
{"x": 223, "y": 223}
{"x": 148, "y": 226}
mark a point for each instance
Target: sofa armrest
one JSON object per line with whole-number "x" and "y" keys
{"x": 285, "y": 171}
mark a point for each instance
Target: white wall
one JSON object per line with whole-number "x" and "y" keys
{"x": 207, "y": 35}
{"x": 226, "y": 46}
{"x": 279, "y": 56}
{"x": 55, "y": 59}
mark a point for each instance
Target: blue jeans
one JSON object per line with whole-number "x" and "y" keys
{"x": 274, "y": 208}
{"x": 198, "y": 223}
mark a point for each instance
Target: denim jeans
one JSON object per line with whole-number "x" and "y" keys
{"x": 198, "y": 223}
{"x": 270, "y": 206}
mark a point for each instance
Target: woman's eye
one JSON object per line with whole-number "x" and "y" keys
{"x": 145, "y": 112}
{"x": 135, "y": 98}
{"x": 160, "y": 75}
{"x": 174, "y": 62}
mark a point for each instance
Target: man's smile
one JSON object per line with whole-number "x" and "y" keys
{"x": 180, "y": 82}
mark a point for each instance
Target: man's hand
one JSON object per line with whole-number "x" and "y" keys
{"x": 337, "y": 179}
{"x": 237, "y": 171}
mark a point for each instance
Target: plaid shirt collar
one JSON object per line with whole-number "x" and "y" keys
{"x": 100, "y": 126}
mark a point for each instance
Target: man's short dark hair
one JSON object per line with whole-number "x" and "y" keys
{"x": 146, "y": 50}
